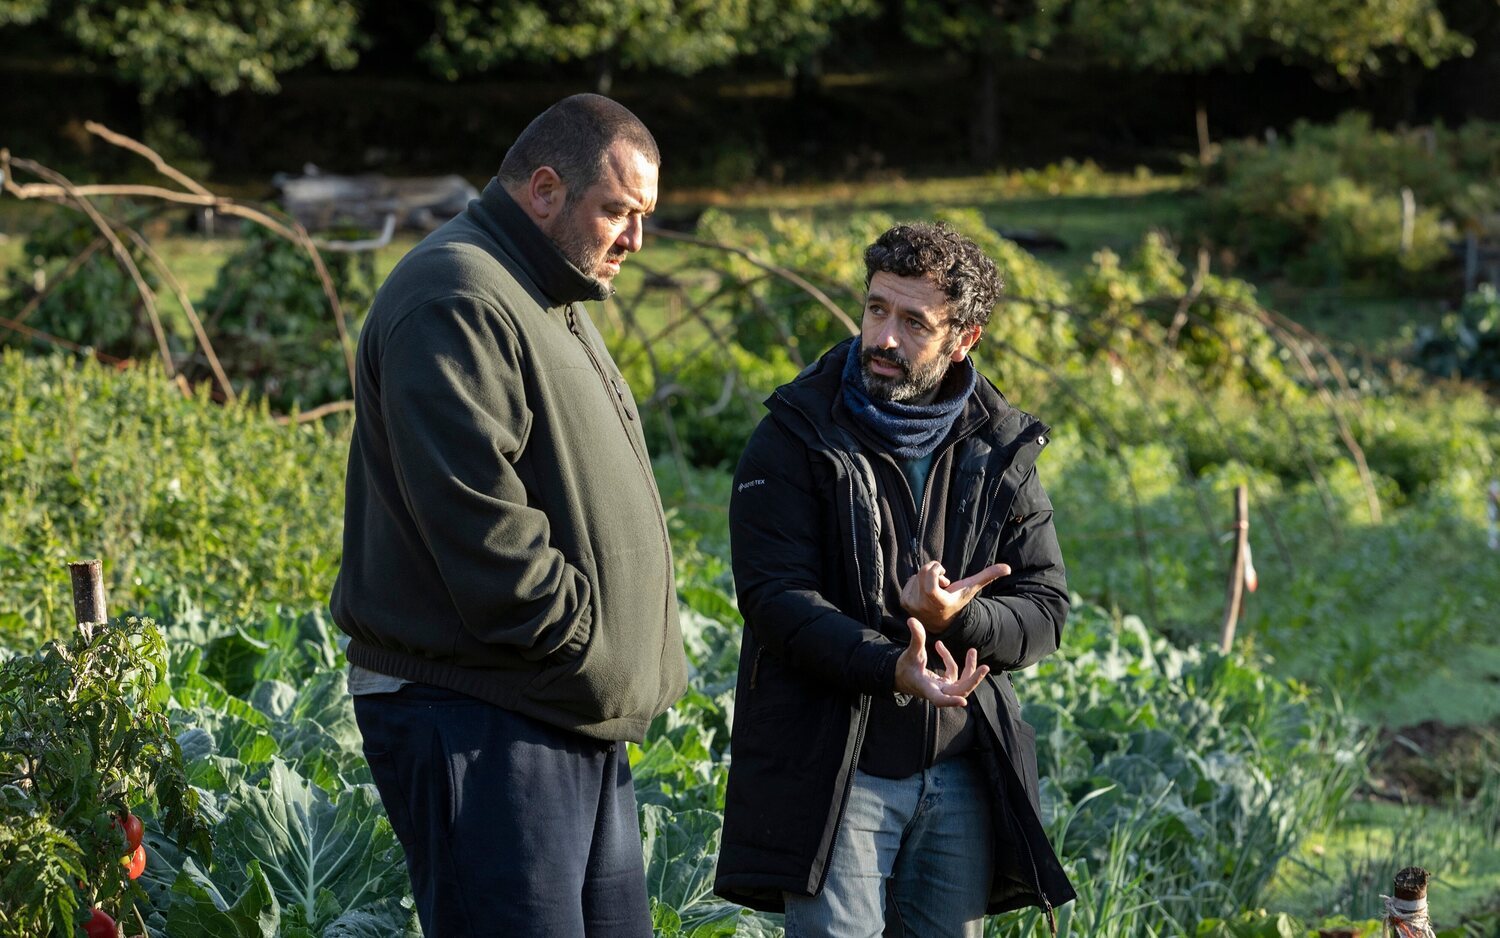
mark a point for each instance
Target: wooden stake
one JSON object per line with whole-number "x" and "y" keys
{"x": 89, "y": 608}
{"x": 1236, "y": 589}
{"x": 1406, "y": 914}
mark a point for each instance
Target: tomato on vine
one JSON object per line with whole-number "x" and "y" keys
{"x": 131, "y": 827}
{"x": 100, "y": 926}
{"x": 134, "y": 862}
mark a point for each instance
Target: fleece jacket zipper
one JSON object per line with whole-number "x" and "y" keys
{"x": 625, "y": 417}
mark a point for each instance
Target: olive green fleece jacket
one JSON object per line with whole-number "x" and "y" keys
{"x": 503, "y": 535}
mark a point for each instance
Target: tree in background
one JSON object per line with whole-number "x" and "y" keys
{"x": 1342, "y": 39}
{"x": 682, "y": 36}
{"x": 986, "y": 32}
{"x": 1346, "y": 39}
{"x": 792, "y": 34}
{"x": 161, "y": 46}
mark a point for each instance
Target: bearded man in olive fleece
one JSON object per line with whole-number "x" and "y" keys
{"x": 507, "y": 577}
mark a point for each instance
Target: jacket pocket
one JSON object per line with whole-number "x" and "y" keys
{"x": 577, "y": 640}
{"x": 611, "y": 668}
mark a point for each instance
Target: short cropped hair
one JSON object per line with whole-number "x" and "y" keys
{"x": 572, "y": 136}
{"x": 949, "y": 260}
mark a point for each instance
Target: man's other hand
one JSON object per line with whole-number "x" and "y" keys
{"x": 948, "y": 689}
{"x": 936, "y": 601}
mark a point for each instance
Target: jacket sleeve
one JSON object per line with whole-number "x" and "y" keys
{"x": 782, "y": 558}
{"x": 455, "y": 410}
{"x": 1018, "y": 619}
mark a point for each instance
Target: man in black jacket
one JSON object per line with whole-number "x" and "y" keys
{"x": 889, "y": 498}
{"x": 507, "y": 575}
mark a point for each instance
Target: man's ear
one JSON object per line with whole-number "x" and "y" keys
{"x": 966, "y": 341}
{"x": 545, "y": 193}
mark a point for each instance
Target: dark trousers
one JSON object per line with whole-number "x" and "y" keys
{"x": 511, "y": 827}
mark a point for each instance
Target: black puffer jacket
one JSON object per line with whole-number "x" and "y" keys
{"x": 807, "y": 569}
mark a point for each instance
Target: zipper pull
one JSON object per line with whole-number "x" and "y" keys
{"x": 1051, "y": 918}
{"x": 619, "y": 388}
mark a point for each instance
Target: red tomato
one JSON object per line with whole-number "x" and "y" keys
{"x": 132, "y": 828}
{"x": 135, "y": 862}
{"x": 100, "y": 926}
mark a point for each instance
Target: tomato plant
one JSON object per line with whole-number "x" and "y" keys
{"x": 83, "y": 736}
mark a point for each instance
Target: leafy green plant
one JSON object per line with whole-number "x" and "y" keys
{"x": 272, "y": 325}
{"x": 1213, "y": 768}
{"x": 770, "y": 312}
{"x": 1325, "y": 204}
{"x": 294, "y": 859}
{"x": 96, "y": 303}
{"x": 84, "y": 738}
{"x": 1466, "y": 344}
{"x": 121, "y": 466}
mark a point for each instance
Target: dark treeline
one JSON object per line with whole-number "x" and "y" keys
{"x": 792, "y": 90}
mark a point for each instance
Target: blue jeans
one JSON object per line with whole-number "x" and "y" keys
{"x": 913, "y": 857}
{"x": 511, "y": 827}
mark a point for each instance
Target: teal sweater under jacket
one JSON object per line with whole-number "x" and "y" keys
{"x": 503, "y": 535}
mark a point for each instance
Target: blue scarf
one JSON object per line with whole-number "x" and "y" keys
{"x": 908, "y": 431}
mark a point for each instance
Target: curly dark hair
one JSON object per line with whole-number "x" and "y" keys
{"x": 951, "y": 261}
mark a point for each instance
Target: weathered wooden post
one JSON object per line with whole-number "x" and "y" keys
{"x": 1238, "y": 567}
{"x": 1406, "y": 911}
{"x": 89, "y": 607}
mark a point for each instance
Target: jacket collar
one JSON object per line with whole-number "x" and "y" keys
{"x": 815, "y": 395}
{"x": 520, "y": 240}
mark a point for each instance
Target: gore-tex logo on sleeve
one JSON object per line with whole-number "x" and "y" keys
{"x": 750, "y": 485}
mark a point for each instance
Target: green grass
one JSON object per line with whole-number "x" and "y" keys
{"x": 1364, "y": 325}
{"x": 1114, "y": 212}
{"x": 1345, "y": 870}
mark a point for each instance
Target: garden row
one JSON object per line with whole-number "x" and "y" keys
{"x": 1178, "y": 780}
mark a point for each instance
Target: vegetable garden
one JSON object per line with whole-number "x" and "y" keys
{"x": 1190, "y": 790}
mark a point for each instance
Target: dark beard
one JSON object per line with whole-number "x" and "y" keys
{"x": 911, "y": 384}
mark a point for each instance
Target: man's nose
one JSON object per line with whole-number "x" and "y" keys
{"x": 886, "y": 337}
{"x": 633, "y": 236}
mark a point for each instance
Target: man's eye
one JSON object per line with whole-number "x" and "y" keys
{"x": 916, "y": 325}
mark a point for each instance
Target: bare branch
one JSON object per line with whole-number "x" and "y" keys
{"x": 790, "y": 276}
{"x": 39, "y": 335}
{"x": 148, "y": 298}
{"x": 74, "y": 265}
{"x": 317, "y": 413}
{"x": 135, "y": 146}
{"x": 187, "y": 307}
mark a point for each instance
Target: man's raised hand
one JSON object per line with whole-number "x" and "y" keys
{"x": 948, "y": 689}
{"x": 936, "y": 601}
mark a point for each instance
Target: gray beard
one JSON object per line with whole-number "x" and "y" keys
{"x": 578, "y": 254}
